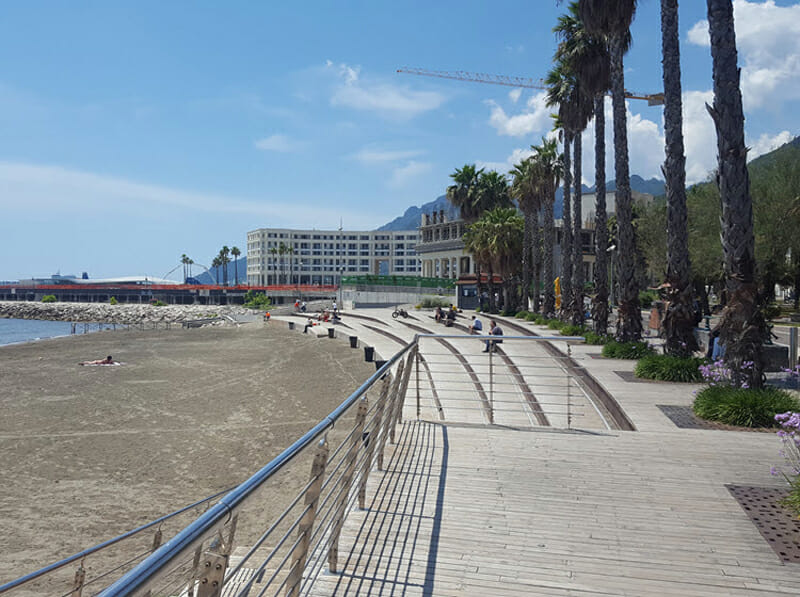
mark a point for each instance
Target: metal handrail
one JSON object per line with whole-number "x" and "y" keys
{"x": 100, "y": 546}
{"x": 223, "y": 511}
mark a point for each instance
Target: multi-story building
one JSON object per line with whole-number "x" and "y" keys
{"x": 284, "y": 256}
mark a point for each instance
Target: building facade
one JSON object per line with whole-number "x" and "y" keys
{"x": 284, "y": 256}
{"x": 440, "y": 247}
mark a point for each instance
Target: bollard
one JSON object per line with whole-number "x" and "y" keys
{"x": 369, "y": 353}
{"x": 331, "y": 333}
{"x": 291, "y": 325}
{"x": 353, "y": 341}
{"x": 379, "y": 364}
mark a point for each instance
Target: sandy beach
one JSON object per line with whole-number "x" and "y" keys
{"x": 90, "y": 452}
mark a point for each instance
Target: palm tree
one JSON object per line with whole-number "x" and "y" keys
{"x": 216, "y": 263}
{"x": 612, "y": 20}
{"x": 223, "y": 253}
{"x": 679, "y": 318}
{"x": 523, "y": 188}
{"x": 580, "y": 55}
{"x": 236, "y": 252}
{"x": 462, "y": 193}
{"x": 492, "y": 192}
{"x": 742, "y": 327}
{"x": 549, "y": 169}
{"x": 185, "y": 261}
{"x": 281, "y": 251}
{"x": 274, "y": 251}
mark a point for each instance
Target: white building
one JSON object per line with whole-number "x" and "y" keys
{"x": 284, "y": 256}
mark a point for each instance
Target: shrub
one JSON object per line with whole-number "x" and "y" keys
{"x": 532, "y": 317}
{"x": 49, "y": 298}
{"x": 572, "y": 330}
{"x": 743, "y": 407}
{"x": 597, "y": 339}
{"x": 666, "y": 367}
{"x": 771, "y": 311}
{"x": 646, "y": 298}
{"x": 431, "y": 302}
{"x": 540, "y": 319}
{"x": 554, "y": 324}
{"x": 256, "y": 300}
{"x": 626, "y": 350}
{"x": 157, "y": 303}
{"x": 113, "y": 301}
{"x": 522, "y": 314}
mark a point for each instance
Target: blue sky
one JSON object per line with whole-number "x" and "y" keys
{"x": 135, "y": 132}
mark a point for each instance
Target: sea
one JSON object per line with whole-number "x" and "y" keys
{"x": 14, "y": 331}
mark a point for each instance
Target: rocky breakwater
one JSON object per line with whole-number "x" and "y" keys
{"x": 122, "y": 314}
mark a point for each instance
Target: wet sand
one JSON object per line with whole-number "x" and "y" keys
{"x": 90, "y": 452}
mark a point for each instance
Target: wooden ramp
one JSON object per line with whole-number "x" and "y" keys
{"x": 479, "y": 510}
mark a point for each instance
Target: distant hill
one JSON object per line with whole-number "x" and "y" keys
{"x": 216, "y": 273}
{"x": 410, "y": 220}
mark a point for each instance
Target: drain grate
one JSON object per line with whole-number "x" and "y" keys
{"x": 775, "y": 523}
{"x": 684, "y": 417}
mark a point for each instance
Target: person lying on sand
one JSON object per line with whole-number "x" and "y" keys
{"x": 106, "y": 361}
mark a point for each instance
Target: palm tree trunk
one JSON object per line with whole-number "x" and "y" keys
{"x": 549, "y": 307}
{"x": 577, "y": 245}
{"x": 742, "y": 326}
{"x": 527, "y": 246}
{"x": 629, "y": 319}
{"x": 536, "y": 258}
{"x": 600, "y": 304}
{"x": 490, "y": 282}
{"x": 679, "y": 316}
{"x": 566, "y": 233}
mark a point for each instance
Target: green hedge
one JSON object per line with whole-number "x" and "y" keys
{"x": 743, "y": 407}
{"x": 666, "y": 367}
{"x": 626, "y": 350}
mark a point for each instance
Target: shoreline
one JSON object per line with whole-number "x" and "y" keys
{"x": 96, "y": 451}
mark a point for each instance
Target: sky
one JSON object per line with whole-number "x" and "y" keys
{"x": 135, "y": 132}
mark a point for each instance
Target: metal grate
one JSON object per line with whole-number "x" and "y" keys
{"x": 684, "y": 418}
{"x": 775, "y": 523}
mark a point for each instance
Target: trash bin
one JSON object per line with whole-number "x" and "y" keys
{"x": 353, "y": 341}
{"x": 331, "y": 333}
{"x": 369, "y": 353}
{"x": 291, "y": 325}
{"x": 379, "y": 364}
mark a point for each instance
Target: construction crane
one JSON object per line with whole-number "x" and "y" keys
{"x": 653, "y": 99}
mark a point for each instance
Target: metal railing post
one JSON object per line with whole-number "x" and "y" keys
{"x": 347, "y": 480}
{"x": 77, "y": 585}
{"x": 386, "y": 419}
{"x": 372, "y": 439}
{"x": 491, "y": 383}
{"x": 569, "y": 386}
{"x": 392, "y": 415}
{"x": 416, "y": 353}
{"x": 398, "y": 415}
{"x": 307, "y": 521}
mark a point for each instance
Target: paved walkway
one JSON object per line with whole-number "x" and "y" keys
{"x": 476, "y": 509}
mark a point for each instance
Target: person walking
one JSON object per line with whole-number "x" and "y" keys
{"x": 494, "y": 330}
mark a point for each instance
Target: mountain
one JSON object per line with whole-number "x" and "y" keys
{"x": 215, "y": 273}
{"x": 411, "y": 219}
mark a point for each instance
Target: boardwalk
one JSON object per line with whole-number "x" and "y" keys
{"x": 466, "y": 508}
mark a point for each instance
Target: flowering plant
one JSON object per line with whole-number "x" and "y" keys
{"x": 719, "y": 374}
{"x": 790, "y": 438}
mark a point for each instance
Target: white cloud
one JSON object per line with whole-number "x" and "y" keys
{"x": 373, "y": 156}
{"x": 766, "y": 143}
{"x": 279, "y": 143}
{"x": 768, "y": 42}
{"x": 60, "y": 192}
{"x": 517, "y": 155}
{"x": 403, "y": 176}
{"x": 514, "y": 94}
{"x": 398, "y": 101}
{"x": 535, "y": 117}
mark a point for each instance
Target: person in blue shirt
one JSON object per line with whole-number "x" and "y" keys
{"x": 476, "y": 327}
